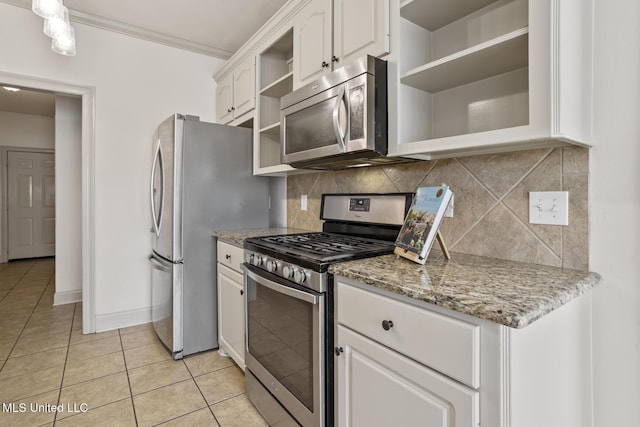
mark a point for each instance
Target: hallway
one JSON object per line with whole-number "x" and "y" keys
{"x": 122, "y": 377}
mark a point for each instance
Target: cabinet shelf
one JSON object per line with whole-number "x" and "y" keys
{"x": 280, "y": 87}
{"x": 494, "y": 57}
{"x": 435, "y": 14}
{"x": 273, "y": 129}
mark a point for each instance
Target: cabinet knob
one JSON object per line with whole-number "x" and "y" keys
{"x": 325, "y": 64}
{"x": 228, "y": 110}
{"x": 227, "y": 256}
{"x": 387, "y": 324}
{"x": 241, "y": 291}
{"x": 233, "y": 108}
{"x": 339, "y": 350}
{"x": 334, "y": 59}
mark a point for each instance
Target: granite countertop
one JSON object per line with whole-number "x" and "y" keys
{"x": 506, "y": 292}
{"x": 236, "y": 237}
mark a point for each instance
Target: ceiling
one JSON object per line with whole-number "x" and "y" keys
{"x": 216, "y": 28}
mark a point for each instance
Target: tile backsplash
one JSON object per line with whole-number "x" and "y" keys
{"x": 491, "y": 216}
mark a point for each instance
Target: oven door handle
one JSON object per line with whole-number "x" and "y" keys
{"x": 286, "y": 290}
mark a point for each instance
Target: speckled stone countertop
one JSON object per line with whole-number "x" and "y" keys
{"x": 236, "y": 237}
{"x": 506, "y": 292}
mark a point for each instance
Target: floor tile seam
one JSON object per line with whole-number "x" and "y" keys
{"x": 93, "y": 341}
{"x": 32, "y": 372}
{"x": 33, "y": 395}
{"x": 66, "y": 359}
{"x": 92, "y": 379}
{"x": 23, "y": 328}
{"x": 162, "y": 386}
{"x": 17, "y": 282}
{"x": 95, "y": 407}
{"x": 226, "y": 399}
{"x": 140, "y": 346}
{"x": 184, "y": 415}
{"x": 132, "y": 332}
{"x": 211, "y": 372}
{"x": 126, "y": 369}
{"x": 203, "y": 396}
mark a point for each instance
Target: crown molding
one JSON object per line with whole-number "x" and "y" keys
{"x": 134, "y": 31}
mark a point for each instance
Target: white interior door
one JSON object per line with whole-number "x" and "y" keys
{"x": 31, "y": 204}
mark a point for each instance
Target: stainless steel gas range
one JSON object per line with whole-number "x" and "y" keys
{"x": 289, "y": 298}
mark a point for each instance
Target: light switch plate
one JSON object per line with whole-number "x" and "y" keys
{"x": 549, "y": 207}
{"x": 303, "y": 202}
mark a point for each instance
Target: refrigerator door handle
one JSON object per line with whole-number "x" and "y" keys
{"x": 157, "y": 215}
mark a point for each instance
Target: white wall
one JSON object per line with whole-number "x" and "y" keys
{"x": 615, "y": 213}
{"x": 26, "y": 130}
{"x": 137, "y": 84}
{"x": 68, "y": 138}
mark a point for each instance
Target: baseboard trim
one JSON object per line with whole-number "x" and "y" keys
{"x": 122, "y": 319}
{"x": 67, "y": 297}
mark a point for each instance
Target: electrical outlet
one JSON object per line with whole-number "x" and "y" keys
{"x": 549, "y": 207}
{"x": 303, "y": 202}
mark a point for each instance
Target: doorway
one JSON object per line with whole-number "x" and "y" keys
{"x": 31, "y": 207}
{"x": 86, "y": 224}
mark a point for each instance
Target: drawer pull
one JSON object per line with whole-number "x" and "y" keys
{"x": 227, "y": 256}
{"x": 387, "y": 324}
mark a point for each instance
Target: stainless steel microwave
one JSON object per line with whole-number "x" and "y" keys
{"x": 338, "y": 121}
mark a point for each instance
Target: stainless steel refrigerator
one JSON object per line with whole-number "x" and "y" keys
{"x": 201, "y": 180}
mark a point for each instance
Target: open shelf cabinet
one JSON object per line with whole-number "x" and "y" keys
{"x": 275, "y": 79}
{"x": 479, "y": 76}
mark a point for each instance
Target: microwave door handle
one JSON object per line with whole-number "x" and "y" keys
{"x": 336, "y": 118}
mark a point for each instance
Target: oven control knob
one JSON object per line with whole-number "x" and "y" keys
{"x": 257, "y": 260}
{"x": 299, "y": 276}
{"x": 287, "y": 272}
{"x": 272, "y": 266}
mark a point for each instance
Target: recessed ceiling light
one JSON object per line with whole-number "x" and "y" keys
{"x": 10, "y": 89}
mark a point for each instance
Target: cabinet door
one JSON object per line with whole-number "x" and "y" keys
{"x": 379, "y": 387}
{"x": 224, "y": 100}
{"x": 244, "y": 87}
{"x": 231, "y": 313}
{"x": 312, "y": 42}
{"x": 360, "y": 27}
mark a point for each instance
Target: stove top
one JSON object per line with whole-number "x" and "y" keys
{"x": 324, "y": 247}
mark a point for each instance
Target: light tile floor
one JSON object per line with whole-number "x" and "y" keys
{"x": 50, "y": 373}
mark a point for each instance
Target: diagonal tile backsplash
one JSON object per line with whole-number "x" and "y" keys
{"x": 491, "y": 216}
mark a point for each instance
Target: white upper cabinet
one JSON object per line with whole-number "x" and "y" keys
{"x": 330, "y": 33}
{"x": 235, "y": 93}
{"x": 481, "y": 76}
{"x": 360, "y": 27}
{"x": 312, "y": 41}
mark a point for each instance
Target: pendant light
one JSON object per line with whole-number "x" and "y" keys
{"x": 65, "y": 42}
{"x": 57, "y": 24}
{"x": 47, "y": 8}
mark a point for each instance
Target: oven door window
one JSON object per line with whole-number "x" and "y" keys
{"x": 283, "y": 334}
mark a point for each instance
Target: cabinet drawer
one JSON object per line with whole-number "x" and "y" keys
{"x": 231, "y": 256}
{"x": 445, "y": 344}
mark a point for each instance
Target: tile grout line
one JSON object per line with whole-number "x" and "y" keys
{"x": 126, "y": 369}
{"x": 13, "y": 347}
{"x": 66, "y": 359}
{"x": 201, "y": 393}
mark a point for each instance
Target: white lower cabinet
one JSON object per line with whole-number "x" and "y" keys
{"x": 403, "y": 362}
{"x": 231, "y": 303}
{"x": 381, "y": 387}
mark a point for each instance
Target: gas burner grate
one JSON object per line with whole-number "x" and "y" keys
{"x": 325, "y": 246}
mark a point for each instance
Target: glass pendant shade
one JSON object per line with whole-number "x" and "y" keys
{"x": 56, "y": 25}
{"x": 47, "y": 8}
{"x": 65, "y": 42}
